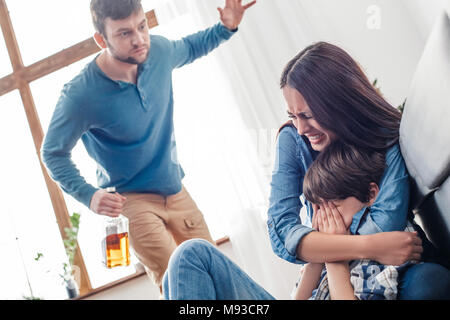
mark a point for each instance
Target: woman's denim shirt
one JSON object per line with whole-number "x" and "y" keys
{"x": 293, "y": 157}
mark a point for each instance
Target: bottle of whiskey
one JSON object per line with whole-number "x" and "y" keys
{"x": 116, "y": 251}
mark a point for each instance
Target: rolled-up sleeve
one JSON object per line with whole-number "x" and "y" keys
{"x": 284, "y": 223}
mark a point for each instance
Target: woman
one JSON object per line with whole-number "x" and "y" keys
{"x": 329, "y": 98}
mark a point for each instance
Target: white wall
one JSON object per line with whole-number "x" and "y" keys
{"x": 389, "y": 53}
{"x": 424, "y": 13}
{"x": 272, "y": 32}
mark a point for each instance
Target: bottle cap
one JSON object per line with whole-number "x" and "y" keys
{"x": 111, "y": 189}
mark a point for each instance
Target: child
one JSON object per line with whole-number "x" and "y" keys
{"x": 342, "y": 183}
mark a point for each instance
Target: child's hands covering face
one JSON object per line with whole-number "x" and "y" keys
{"x": 328, "y": 219}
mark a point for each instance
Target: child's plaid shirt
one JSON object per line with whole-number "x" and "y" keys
{"x": 370, "y": 279}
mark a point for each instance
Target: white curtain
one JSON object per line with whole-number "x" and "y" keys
{"x": 227, "y": 152}
{"x": 251, "y": 63}
{"x": 379, "y": 34}
{"x": 238, "y": 109}
{"x": 271, "y": 33}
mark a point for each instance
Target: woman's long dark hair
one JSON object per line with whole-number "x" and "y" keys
{"x": 341, "y": 98}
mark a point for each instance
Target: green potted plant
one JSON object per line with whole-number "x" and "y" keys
{"x": 71, "y": 245}
{"x": 32, "y": 296}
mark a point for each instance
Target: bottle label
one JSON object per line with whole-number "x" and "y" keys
{"x": 117, "y": 251}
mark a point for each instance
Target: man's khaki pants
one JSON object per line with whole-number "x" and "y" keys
{"x": 158, "y": 224}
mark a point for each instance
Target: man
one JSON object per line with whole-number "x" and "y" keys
{"x": 121, "y": 106}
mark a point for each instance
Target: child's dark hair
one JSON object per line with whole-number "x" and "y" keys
{"x": 114, "y": 9}
{"x": 341, "y": 171}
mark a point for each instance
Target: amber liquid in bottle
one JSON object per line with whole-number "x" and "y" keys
{"x": 117, "y": 250}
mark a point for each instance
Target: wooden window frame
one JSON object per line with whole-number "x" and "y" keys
{"x": 20, "y": 79}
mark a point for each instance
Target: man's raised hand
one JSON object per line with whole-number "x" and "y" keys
{"x": 233, "y": 12}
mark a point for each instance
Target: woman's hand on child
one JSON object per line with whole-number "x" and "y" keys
{"x": 395, "y": 247}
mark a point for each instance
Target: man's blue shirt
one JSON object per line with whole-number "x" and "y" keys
{"x": 293, "y": 158}
{"x": 126, "y": 128}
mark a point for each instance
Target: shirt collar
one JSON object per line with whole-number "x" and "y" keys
{"x": 356, "y": 220}
{"x": 121, "y": 84}
{"x": 99, "y": 71}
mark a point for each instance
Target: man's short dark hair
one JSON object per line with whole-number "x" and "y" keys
{"x": 341, "y": 171}
{"x": 114, "y": 9}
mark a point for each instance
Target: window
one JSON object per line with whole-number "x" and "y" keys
{"x": 28, "y": 223}
{"x": 209, "y": 152}
{"x": 45, "y": 27}
{"x": 31, "y": 225}
{"x": 5, "y": 65}
{"x": 46, "y": 92}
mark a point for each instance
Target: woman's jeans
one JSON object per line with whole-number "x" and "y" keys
{"x": 199, "y": 271}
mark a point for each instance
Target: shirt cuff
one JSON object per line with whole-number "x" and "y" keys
{"x": 85, "y": 194}
{"x": 293, "y": 240}
{"x": 225, "y": 32}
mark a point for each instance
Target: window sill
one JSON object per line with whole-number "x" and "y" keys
{"x": 138, "y": 274}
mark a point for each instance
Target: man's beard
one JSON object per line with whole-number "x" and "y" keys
{"x": 129, "y": 60}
